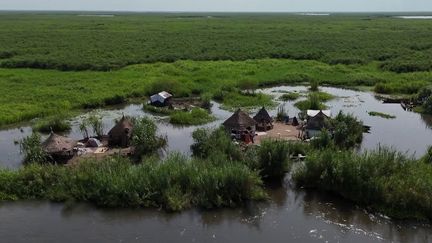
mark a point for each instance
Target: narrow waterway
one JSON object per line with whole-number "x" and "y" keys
{"x": 290, "y": 215}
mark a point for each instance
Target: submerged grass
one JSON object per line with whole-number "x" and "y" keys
{"x": 174, "y": 184}
{"x": 381, "y": 114}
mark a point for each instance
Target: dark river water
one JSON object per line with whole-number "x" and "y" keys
{"x": 290, "y": 216}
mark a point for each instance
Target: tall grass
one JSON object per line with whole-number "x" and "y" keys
{"x": 383, "y": 180}
{"x": 176, "y": 183}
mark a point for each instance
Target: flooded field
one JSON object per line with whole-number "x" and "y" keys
{"x": 289, "y": 216}
{"x": 409, "y": 132}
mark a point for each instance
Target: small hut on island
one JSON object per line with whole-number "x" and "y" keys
{"x": 317, "y": 121}
{"x": 264, "y": 120}
{"x": 59, "y": 147}
{"x": 161, "y": 99}
{"x": 121, "y": 134}
{"x": 240, "y": 124}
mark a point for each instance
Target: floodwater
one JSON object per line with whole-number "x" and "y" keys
{"x": 290, "y": 215}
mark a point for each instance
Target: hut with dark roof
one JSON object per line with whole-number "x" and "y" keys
{"x": 316, "y": 124}
{"x": 59, "y": 147}
{"x": 239, "y": 122}
{"x": 264, "y": 120}
{"x": 121, "y": 134}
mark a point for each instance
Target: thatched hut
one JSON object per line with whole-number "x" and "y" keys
{"x": 264, "y": 120}
{"x": 316, "y": 123}
{"x": 58, "y": 146}
{"x": 121, "y": 134}
{"x": 239, "y": 123}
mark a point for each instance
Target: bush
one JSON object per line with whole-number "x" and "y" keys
{"x": 145, "y": 139}
{"x": 347, "y": 130}
{"x": 290, "y": 96}
{"x": 214, "y": 144}
{"x": 274, "y": 159}
{"x": 32, "y": 150}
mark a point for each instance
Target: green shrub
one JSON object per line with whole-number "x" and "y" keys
{"x": 290, "y": 96}
{"x": 347, "y": 130}
{"x": 32, "y": 149}
{"x": 145, "y": 139}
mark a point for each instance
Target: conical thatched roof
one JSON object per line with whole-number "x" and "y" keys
{"x": 57, "y": 144}
{"x": 121, "y": 126}
{"x": 263, "y": 116}
{"x": 318, "y": 122}
{"x": 239, "y": 121}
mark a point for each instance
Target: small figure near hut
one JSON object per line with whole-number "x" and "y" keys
{"x": 264, "y": 120}
{"x": 121, "y": 134}
{"x": 161, "y": 99}
{"x": 58, "y": 147}
{"x": 241, "y": 125}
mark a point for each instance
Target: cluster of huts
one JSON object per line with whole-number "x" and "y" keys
{"x": 61, "y": 148}
{"x": 244, "y": 128}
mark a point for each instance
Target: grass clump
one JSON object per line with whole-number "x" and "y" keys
{"x": 56, "y": 124}
{"x": 381, "y": 114}
{"x": 197, "y": 116}
{"x": 382, "y": 180}
{"x": 290, "y": 96}
{"x": 176, "y": 183}
{"x": 312, "y": 103}
{"x": 235, "y": 99}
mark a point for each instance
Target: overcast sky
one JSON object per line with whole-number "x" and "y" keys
{"x": 220, "y": 5}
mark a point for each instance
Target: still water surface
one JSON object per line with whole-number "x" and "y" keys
{"x": 290, "y": 215}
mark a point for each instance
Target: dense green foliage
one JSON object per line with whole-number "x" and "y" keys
{"x": 145, "y": 139}
{"x": 383, "y": 180}
{"x": 71, "y": 41}
{"x": 347, "y": 130}
{"x": 32, "y": 149}
{"x": 381, "y": 114}
{"x": 197, "y": 116}
{"x": 174, "y": 184}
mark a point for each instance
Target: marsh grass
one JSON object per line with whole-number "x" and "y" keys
{"x": 382, "y": 180}
{"x": 56, "y": 124}
{"x": 176, "y": 183}
{"x": 197, "y": 116}
{"x": 381, "y": 114}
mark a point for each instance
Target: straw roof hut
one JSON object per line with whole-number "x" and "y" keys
{"x": 263, "y": 119}
{"x": 240, "y": 121}
{"x": 315, "y": 124}
{"x": 121, "y": 133}
{"x": 56, "y": 144}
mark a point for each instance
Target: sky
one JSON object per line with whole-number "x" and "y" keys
{"x": 221, "y": 5}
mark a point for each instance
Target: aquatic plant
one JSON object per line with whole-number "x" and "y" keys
{"x": 32, "y": 149}
{"x": 312, "y": 103}
{"x": 290, "y": 96}
{"x": 314, "y": 86}
{"x": 175, "y": 183}
{"x": 381, "y": 114}
{"x": 197, "y": 116}
{"x": 382, "y": 180}
{"x": 56, "y": 124}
